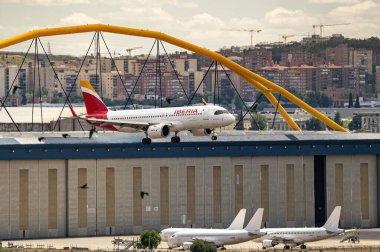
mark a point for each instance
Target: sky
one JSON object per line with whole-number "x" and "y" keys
{"x": 202, "y": 22}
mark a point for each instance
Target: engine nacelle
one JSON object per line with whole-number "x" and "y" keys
{"x": 269, "y": 243}
{"x": 187, "y": 245}
{"x": 201, "y": 132}
{"x": 158, "y": 131}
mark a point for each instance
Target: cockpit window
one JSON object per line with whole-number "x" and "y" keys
{"x": 219, "y": 112}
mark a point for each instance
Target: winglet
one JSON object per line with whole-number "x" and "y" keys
{"x": 332, "y": 222}
{"x": 254, "y": 224}
{"x": 238, "y": 222}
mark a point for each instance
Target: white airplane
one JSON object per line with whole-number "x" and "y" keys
{"x": 219, "y": 237}
{"x": 155, "y": 123}
{"x": 236, "y": 224}
{"x": 292, "y": 237}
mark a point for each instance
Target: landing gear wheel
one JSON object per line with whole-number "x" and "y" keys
{"x": 146, "y": 140}
{"x": 303, "y": 246}
{"x": 175, "y": 139}
{"x": 213, "y": 137}
{"x": 286, "y": 247}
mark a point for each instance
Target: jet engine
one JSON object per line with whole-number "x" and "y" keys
{"x": 187, "y": 245}
{"x": 158, "y": 131}
{"x": 269, "y": 243}
{"x": 201, "y": 132}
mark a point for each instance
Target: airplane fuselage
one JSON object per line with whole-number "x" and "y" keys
{"x": 169, "y": 232}
{"x": 219, "y": 237}
{"x": 178, "y": 118}
{"x": 300, "y": 235}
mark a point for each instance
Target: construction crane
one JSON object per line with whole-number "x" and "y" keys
{"x": 286, "y": 36}
{"x": 129, "y": 50}
{"x": 324, "y": 25}
{"x": 251, "y": 31}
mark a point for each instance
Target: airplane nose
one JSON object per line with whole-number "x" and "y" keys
{"x": 231, "y": 118}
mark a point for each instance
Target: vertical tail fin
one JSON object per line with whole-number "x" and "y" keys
{"x": 238, "y": 222}
{"x": 94, "y": 104}
{"x": 332, "y": 222}
{"x": 254, "y": 224}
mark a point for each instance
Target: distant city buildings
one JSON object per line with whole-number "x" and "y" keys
{"x": 337, "y": 72}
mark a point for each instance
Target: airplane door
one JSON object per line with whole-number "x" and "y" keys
{"x": 205, "y": 114}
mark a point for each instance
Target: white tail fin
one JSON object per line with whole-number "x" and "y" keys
{"x": 254, "y": 224}
{"x": 332, "y": 222}
{"x": 238, "y": 222}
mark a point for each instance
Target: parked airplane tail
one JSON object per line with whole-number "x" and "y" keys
{"x": 254, "y": 224}
{"x": 94, "y": 104}
{"x": 238, "y": 222}
{"x": 332, "y": 222}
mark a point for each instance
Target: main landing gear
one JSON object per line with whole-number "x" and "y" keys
{"x": 146, "y": 140}
{"x": 303, "y": 246}
{"x": 213, "y": 137}
{"x": 176, "y": 138}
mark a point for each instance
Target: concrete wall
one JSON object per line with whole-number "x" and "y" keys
{"x": 289, "y": 205}
{"x": 353, "y": 196}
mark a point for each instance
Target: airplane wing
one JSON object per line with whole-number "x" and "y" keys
{"x": 284, "y": 238}
{"x": 208, "y": 240}
{"x": 106, "y": 122}
{"x": 131, "y": 124}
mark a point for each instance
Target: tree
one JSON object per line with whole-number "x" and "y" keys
{"x": 150, "y": 239}
{"x": 317, "y": 99}
{"x": 259, "y": 122}
{"x": 238, "y": 103}
{"x": 313, "y": 124}
{"x": 24, "y": 100}
{"x": 337, "y": 119}
{"x": 356, "y": 123}
{"x": 350, "y": 101}
{"x": 240, "y": 125}
{"x": 200, "y": 246}
{"x": 357, "y": 103}
{"x": 262, "y": 105}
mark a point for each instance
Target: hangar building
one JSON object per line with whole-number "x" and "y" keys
{"x": 76, "y": 186}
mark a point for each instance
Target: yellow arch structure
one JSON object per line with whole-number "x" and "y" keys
{"x": 265, "y": 86}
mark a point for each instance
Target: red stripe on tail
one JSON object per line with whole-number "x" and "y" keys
{"x": 93, "y": 104}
